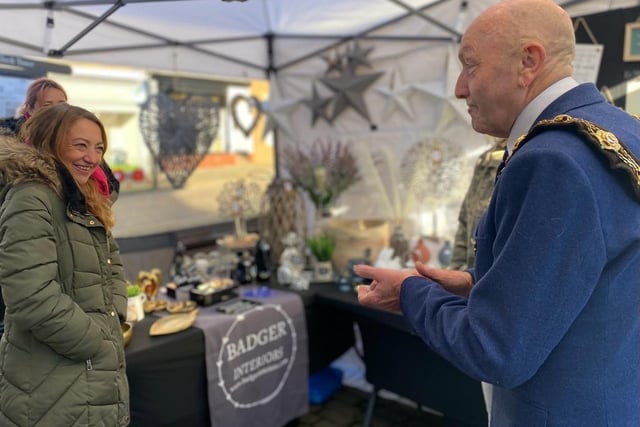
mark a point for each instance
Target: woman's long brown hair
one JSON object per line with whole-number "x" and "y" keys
{"x": 47, "y": 131}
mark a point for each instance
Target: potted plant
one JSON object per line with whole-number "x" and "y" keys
{"x": 322, "y": 246}
{"x": 135, "y": 297}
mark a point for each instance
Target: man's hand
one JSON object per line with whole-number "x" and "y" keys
{"x": 456, "y": 282}
{"x": 384, "y": 290}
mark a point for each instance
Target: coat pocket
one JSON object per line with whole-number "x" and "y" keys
{"x": 102, "y": 376}
{"x": 106, "y": 359}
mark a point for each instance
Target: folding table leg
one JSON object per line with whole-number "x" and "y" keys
{"x": 372, "y": 403}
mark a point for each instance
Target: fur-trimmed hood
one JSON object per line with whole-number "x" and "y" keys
{"x": 21, "y": 163}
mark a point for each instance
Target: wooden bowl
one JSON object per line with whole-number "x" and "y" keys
{"x": 127, "y": 332}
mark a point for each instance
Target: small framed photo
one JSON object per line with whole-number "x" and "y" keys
{"x": 631, "y": 51}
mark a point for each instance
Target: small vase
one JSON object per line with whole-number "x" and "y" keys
{"x": 320, "y": 219}
{"x": 400, "y": 245}
{"x": 445, "y": 254}
{"x": 322, "y": 271}
{"x": 135, "y": 308}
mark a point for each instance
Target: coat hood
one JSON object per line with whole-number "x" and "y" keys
{"x": 21, "y": 163}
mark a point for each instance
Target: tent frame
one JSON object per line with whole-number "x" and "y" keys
{"x": 163, "y": 42}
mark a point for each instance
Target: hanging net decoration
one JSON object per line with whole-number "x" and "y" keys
{"x": 284, "y": 210}
{"x": 435, "y": 173}
{"x": 178, "y": 129}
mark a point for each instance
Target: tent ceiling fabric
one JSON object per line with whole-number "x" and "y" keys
{"x": 244, "y": 39}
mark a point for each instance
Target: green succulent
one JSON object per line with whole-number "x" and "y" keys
{"x": 133, "y": 290}
{"x": 322, "y": 245}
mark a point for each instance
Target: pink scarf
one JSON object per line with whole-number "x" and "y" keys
{"x": 100, "y": 178}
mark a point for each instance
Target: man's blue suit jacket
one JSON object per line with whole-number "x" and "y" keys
{"x": 553, "y": 319}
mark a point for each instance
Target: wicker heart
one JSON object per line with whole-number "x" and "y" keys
{"x": 245, "y": 122}
{"x": 178, "y": 130}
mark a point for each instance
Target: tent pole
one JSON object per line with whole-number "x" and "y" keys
{"x": 271, "y": 71}
{"x": 60, "y": 52}
{"x": 426, "y": 17}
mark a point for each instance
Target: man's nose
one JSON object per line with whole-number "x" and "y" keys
{"x": 461, "y": 89}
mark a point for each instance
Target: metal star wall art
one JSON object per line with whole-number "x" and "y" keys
{"x": 397, "y": 96}
{"x": 444, "y": 91}
{"x": 335, "y": 62}
{"x": 318, "y": 106}
{"x": 434, "y": 89}
{"x": 349, "y": 92}
{"x": 453, "y": 71}
{"x": 357, "y": 56}
{"x": 276, "y": 111}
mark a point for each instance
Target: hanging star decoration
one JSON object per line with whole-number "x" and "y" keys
{"x": 348, "y": 87}
{"x": 335, "y": 61}
{"x": 397, "y": 96}
{"x": 276, "y": 110}
{"x": 443, "y": 90}
{"x": 349, "y": 92}
{"x": 318, "y": 106}
{"x": 435, "y": 89}
{"x": 356, "y": 56}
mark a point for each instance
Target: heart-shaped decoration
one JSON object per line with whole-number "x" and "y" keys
{"x": 245, "y": 112}
{"x": 178, "y": 130}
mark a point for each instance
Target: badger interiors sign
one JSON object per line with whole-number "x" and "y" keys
{"x": 257, "y": 364}
{"x": 256, "y": 359}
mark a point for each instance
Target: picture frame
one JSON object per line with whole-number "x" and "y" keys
{"x": 631, "y": 51}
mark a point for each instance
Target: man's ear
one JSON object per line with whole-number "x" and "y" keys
{"x": 532, "y": 60}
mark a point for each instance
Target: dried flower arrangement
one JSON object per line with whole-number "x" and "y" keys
{"x": 324, "y": 171}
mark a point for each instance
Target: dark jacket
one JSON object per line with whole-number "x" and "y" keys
{"x": 62, "y": 355}
{"x": 12, "y": 126}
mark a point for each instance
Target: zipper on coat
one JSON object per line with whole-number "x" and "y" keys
{"x": 89, "y": 365}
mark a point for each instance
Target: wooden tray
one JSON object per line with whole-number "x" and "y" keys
{"x": 155, "y": 305}
{"x": 181, "y": 306}
{"x": 173, "y": 323}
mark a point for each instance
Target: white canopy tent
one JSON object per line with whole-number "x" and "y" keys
{"x": 230, "y": 38}
{"x": 404, "y": 113}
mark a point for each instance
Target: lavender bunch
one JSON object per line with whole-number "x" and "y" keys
{"x": 324, "y": 170}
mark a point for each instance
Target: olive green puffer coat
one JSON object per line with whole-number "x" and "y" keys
{"x": 62, "y": 354}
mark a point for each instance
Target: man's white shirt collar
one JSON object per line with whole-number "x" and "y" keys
{"x": 532, "y": 111}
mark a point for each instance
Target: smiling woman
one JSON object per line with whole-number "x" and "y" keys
{"x": 62, "y": 277}
{"x": 150, "y": 164}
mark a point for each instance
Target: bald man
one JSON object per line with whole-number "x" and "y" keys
{"x": 551, "y": 314}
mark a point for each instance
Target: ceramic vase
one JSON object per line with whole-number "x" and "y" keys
{"x": 135, "y": 308}
{"x": 322, "y": 271}
{"x": 445, "y": 254}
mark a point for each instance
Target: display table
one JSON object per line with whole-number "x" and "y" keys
{"x": 168, "y": 374}
{"x": 167, "y": 378}
{"x": 329, "y": 331}
{"x": 397, "y": 360}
